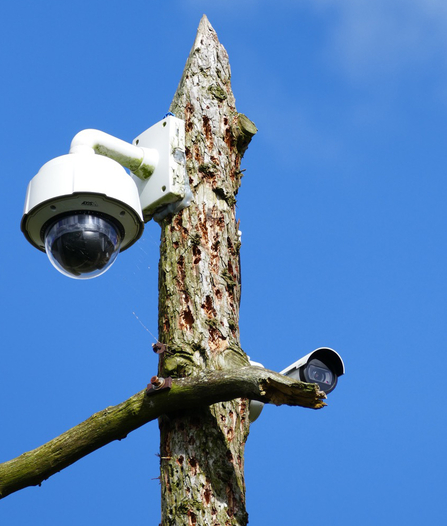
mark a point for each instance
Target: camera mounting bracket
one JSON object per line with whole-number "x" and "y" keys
{"x": 167, "y": 189}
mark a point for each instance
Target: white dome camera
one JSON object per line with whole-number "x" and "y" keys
{"x": 83, "y": 208}
{"x": 322, "y": 367}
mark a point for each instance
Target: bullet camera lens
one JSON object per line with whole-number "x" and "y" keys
{"x": 82, "y": 246}
{"x": 317, "y": 372}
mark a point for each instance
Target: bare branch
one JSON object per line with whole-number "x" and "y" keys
{"x": 114, "y": 423}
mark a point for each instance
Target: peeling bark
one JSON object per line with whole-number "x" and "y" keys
{"x": 199, "y": 295}
{"x": 114, "y": 423}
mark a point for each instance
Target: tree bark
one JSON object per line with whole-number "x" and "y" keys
{"x": 114, "y": 423}
{"x": 202, "y": 452}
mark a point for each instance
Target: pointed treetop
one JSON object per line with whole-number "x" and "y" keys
{"x": 205, "y": 100}
{"x": 207, "y": 68}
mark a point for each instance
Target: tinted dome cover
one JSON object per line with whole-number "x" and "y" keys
{"x": 82, "y": 246}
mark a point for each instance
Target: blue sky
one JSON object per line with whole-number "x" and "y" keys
{"x": 342, "y": 210}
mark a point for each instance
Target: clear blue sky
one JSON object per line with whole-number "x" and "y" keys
{"x": 343, "y": 214}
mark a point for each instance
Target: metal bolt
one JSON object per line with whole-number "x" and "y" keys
{"x": 157, "y": 382}
{"x": 159, "y": 348}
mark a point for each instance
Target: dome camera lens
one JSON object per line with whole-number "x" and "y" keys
{"x": 82, "y": 246}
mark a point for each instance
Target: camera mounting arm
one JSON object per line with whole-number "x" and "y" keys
{"x": 156, "y": 159}
{"x": 141, "y": 161}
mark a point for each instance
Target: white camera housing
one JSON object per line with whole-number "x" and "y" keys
{"x": 83, "y": 208}
{"x": 322, "y": 366}
{"x": 81, "y": 183}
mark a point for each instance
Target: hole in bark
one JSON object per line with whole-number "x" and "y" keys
{"x": 208, "y": 307}
{"x": 197, "y": 254}
{"x": 229, "y": 138}
{"x": 181, "y": 275}
{"x": 186, "y": 319}
{"x": 189, "y": 112}
{"x": 231, "y": 500}
{"x": 207, "y": 495}
{"x": 197, "y": 154}
{"x": 204, "y": 230}
{"x": 221, "y": 222}
{"x": 215, "y": 245}
{"x": 177, "y": 223}
{"x": 194, "y": 465}
{"x": 216, "y": 339}
{"x": 208, "y": 131}
{"x": 192, "y": 520}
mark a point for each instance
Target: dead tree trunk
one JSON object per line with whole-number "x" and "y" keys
{"x": 202, "y": 451}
